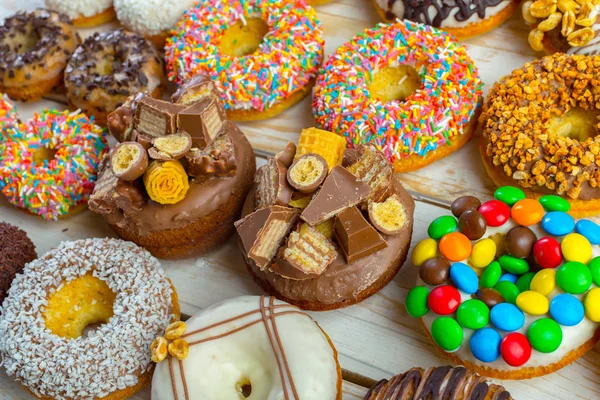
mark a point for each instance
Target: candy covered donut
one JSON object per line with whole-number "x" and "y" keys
{"x": 84, "y": 13}
{"x": 248, "y": 347}
{"x": 409, "y": 89}
{"x": 262, "y": 54}
{"x": 93, "y": 281}
{"x": 509, "y": 288}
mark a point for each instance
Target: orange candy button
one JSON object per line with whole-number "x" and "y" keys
{"x": 527, "y": 212}
{"x": 455, "y": 246}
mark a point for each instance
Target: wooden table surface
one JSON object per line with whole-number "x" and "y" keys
{"x": 376, "y": 338}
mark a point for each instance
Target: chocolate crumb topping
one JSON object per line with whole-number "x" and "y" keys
{"x": 460, "y": 10}
{"x": 16, "y": 251}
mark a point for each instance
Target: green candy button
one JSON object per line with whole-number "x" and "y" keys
{"x": 574, "y": 277}
{"x": 595, "y": 270}
{"x": 545, "y": 335}
{"x": 441, "y": 226}
{"x": 509, "y": 194}
{"x": 524, "y": 281}
{"x": 416, "y": 301}
{"x": 513, "y": 265}
{"x": 508, "y": 290}
{"x": 473, "y": 314}
{"x": 447, "y": 333}
{"x": 554, "y": 203}
{"x": 491, "y": 275}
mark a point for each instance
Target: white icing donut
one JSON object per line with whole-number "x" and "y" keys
{"x": 151, "y": 17}
{"x": 271, "y": 345}
{"x": 78, "y": 8}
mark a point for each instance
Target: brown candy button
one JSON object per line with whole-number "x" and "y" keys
{"x": 490, "y": 297}
{"x": 434, "y": 271}
{"x": 519, "y": 241}
{"x": 472, "y": 224}
{"x": 463, "y": 204}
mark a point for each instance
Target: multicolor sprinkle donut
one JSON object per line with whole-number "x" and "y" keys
{"x": 49, "y": 188}
{"x": 430, "y": 123}
{"x": 274, "y": 77}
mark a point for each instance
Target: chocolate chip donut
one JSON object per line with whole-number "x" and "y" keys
{"x": 34, "y": 50}
{"x": 108, "y": 68}
{"x": 16, "y": 251}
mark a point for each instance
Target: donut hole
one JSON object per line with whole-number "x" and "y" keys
{"x": 85, "y": 302}
{"x": 244, "y": 387}
{"x": 43, "y": 154}
{"x": 242, "y": 39}
{"x": 26, "y": 42}
{"x": 576, "y": 123}
{"x": 393, "y": 83}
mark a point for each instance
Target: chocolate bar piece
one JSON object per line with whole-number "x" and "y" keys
{"x": 373, "y": 168}
{"x": 286, "y": 156}
{"x": 272, "y": 187}
{"x": 204, "y": 121}
{"x": 339, "y": 191}
{"x": 217, "y": 159}
{"x": 120, "y": 121}
{"x": 155, "y": 117}
{"x": 262, "y": 232}
{"x": 356, "y": 236}
{"x": 194, "y": 89}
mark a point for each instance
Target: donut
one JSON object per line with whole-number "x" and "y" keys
{"x": 462, "y": 19}
{"x": 409, "y": 89}
{"x": 262, "y": 54}
{"x": 84, "y": 13}
{"x": 509, "y": 288}
{"x": 35, "y": 48}
{"x": 563, "y": 27}
{"x": 539, "y": 130}
{"x": 152, "y": 18}
{"x": 179, "y": 177}
{"x": 16, "y": 251}
{"x": 279, "y": 353}
{"x": 113, "y": 283}
{"x": 108, "y": 68}
{"x": 338, "y": 239}
{"x": 439, "y": 383}
{"x": 48, "y": 166}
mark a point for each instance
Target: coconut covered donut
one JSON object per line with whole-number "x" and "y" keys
{"x": 114, "y": 283}
{"x": 84, "y": 13}
{"x": 248, "y": 347}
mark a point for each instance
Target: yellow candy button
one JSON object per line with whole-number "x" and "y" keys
{"x": 544, "y": 282}
{"x": 483, "y": 253}
{"x": 576, "y": 247}
{"x": 423, "y": 251}
{"x": 533, "y": 303}
{"x": 592, "y": 304}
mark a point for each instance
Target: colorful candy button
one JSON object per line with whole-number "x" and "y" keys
{"x": 507, "y": 317}
{"x": 508, "y": 290}
{"x": 447, "y": 333}
{"x": 473, "y": 314}
{"x": 527, "y": 212}
{"x": 515, "y": 349}
{"x": 524, "y": 281}
{"x": 490, "y": 297}
{"x": 589, "y": 229}
{"x": 512, "y": 278}
{"x": 495, "y": 212}
{"x": 533, "y": 303}
{"x": 576, "y": 247}
{"x": 574, "y": 277}
{"x": 544, "y": 282}
{"x": 545, "y": 335}
{"x": 424, "y": 250}
{"x": 566, "y": 309}
{"x": 472, "y": 224}
{"x": 509, "y": 194}
{"x": 519, "y": 241}
{"x": 443, "y": 300}
{"x": 464, "y": 277}
{"x": 434, "y": 271}
{"x": 558, "y": 223}
{"x": 594, "y": 266}
{"x": 455, "y": 246}
{"x": 554, "y": 203}
{"x": 464, "y": 203}
{"x": 547, "y": 252}
{"x": 483, "y": 253}
{"x": 491, "y": 275}
{"x": 441, "y": 226}
{"x": 592, "y": 304}
{"x": 416, "y": 301}
{"x": 513, "y": 265}
{"x": 485, "y": 344}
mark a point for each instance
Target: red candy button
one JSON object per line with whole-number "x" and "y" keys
{"x": 515, "y": 349}
{"x": 495, "y": 212}
{"x": 443, "y": 300}
{"x": 547, "y": 253}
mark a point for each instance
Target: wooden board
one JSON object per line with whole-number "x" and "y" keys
{"x": 375, "y": 338}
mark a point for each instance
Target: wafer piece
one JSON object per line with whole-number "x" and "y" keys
{"x": 373, "y": 168}
{"x": 272, "y": 187}
{"x": 324, "y": 143}
{"x": 171, "y": 147}
{"x": 195, "y": 89}
{"x": 155, "y": 117}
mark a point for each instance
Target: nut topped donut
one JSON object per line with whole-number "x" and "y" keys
{"x": 34, "y": 50}
{"x": 108, "y": 68}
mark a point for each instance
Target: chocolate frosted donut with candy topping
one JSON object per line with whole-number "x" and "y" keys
{"x": 16, "y": 251}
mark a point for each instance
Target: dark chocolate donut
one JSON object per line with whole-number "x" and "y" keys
{"x": 16, "y": 251}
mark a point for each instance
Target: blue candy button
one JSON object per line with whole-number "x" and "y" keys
{"x": 507, "y": 317}
{"x": 512, "y": 278}
{"x": 464, "y": 277}
{"x": 566, "y": 309}
{"x": 558, "y": 223}
{"x": 589, "y": 229}
{"x": 485, "y": 344}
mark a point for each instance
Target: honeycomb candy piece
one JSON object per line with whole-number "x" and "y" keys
{"x": 171, "y": 147}
{"x": 300, "y": 202}
{"x": 129, "y": 161}
{"x": 373, "y": 168}
{"x": 307, "y": 173}
{"x": 325, "y": 228}
{"x": 324, "y": 143}
{"x": 388, "y": 217}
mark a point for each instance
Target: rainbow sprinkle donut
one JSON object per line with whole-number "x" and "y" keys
{"x": 262, "y": 83}
{"x": 436, "y": 118}
{"x": 48, "y": 165}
